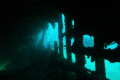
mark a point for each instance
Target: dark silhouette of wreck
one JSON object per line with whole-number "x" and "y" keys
{"x": 20, "y": 19}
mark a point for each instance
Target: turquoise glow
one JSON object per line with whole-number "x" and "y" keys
{"x": 73, "y": 23}
{"x": 89, "y": 42}
{"x": 72, "y": 40}
{"x": 72, "y": 54}
{"x": 64, "y": 38}
{"x": 51, "y": 35}
{"x": 39, "y": 37}
{"x": 64, "y": 48}
{"x": 56, "y": 31}
{"x": 63, "y": 21}
{"x": 112, "y": 69}
{"x": 48, "y": 37}
{"x": 112, "y": 46}
{"x": 89, "y": 65}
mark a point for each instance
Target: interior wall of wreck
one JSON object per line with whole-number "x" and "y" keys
{"x": 16, "y": 44}
{"x": 21, "y": 37}
{"x": 88, "y": 42}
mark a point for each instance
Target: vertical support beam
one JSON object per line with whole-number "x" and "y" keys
{"x": 100, "y": 67}
{"x": 80, "y": 59}
{"x": 55, "y": 47}
{"x": 99, "y": 63}
{"x": 60, "y": 27}
{"x": 68, "y": 28}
